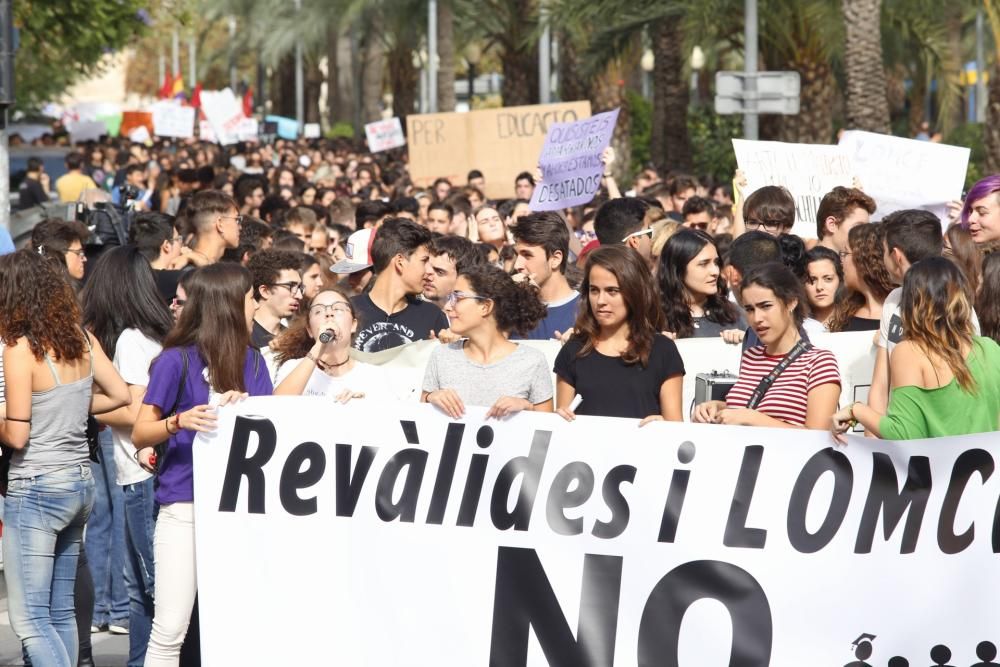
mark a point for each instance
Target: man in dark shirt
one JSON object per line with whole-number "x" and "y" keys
{"x": 277, "y": 287}
{"x": 34, "y": 189}
{"x": 390, "y": 314}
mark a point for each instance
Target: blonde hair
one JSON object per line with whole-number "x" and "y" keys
{"x": 662, "y": 231}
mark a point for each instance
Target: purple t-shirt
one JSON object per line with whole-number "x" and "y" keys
{"x": 175, "y": 483}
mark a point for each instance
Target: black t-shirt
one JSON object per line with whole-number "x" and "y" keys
{"x": 260, "y": 337}
{"x": 166, "y": 283}
{"x": 377, "y": 330}
{"x": 862, "y": 324}
{"x": 30, "y": 193}
{"x": 612, "y": 388}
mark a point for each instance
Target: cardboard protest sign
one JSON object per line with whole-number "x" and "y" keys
{"x": 571, "y": 162}
{"x": 903, "y": 173}
{"x": 383, "y": 135}
{"x": 173, "y": 120}
{"x": 402, "y": 537}
{"x": 501, "y": 143}
{"x": 224, "y": 113}
{"x": 809, "y": 171}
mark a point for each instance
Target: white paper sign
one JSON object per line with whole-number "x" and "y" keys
{"x": 86, "y": 130}
{"x": 173, "y": 120}
{"x": 205, "y": 131}
{"x": 224, "y": 112}
{"x": 809, "y": 171}
{"x": 311, "y": 131}
{"x": 248, "y": 129}
{"x": 139, "y": 135}
{"x": 399, "y": 537}
{"x": 903, "y": 173}
{"x": 384, "y": 134}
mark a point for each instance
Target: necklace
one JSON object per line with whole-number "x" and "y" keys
{"x": 327, "y": 367}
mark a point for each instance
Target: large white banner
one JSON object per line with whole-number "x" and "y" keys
{"x": 224, "y": 113}
{"x": 173, "y": 120}
{"x": 384, "y": 535}
{"x": 903, "y": 173}
{"x": 809, "y": 171}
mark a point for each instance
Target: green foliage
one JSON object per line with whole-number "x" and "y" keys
{"x": 341, "y": 130}
{"x": 711, "y": 137}
{"x": 971, "y": 136}
{"x": 641, "y": 113}
{"x": 62, "y": 41}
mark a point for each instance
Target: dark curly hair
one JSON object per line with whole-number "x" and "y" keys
{"x": 38, "y": 303}
{"x": 266, "y": 266}
{"x": 295, "y": 341}
{"x": 675, "y": 298}
{"x": 645, "y": 317}
{"x": 516, "y": 306}
{"x": 866, "y": 246}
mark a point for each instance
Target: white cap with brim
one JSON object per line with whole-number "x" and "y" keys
{"x": 357, "y": 253}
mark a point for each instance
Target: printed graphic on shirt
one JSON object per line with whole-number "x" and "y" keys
{"x": 379, "y": 336}
{"x": 895, "y": 329}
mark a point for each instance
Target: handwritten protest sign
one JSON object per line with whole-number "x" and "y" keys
{"x": 809, "y": 171}
{"x": 224, "y": 113}
{"x": 904, "y": 173}
{"x": 384, "y": 134}
{"x": 173, "y": 120}
{"x": 571, "y": 162}
{"x": 501, "y": 143}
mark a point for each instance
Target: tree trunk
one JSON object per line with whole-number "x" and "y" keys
{"x": 607, "y": 94}
{"x": 867, "y": 106}
{"x": 670, "y": 145}
{"x": 572, "y": 85}
{"x": 339, "y": 82}
{"x": 991, "y": 128}
{"x": 313, "y": 80}
{"x": 446, "y": 55}
{"x": 402, "y": 82}
{"x": 373, "y": 73}
{"x": 950, "y": 105}
{"x": 520, "y": 76}
{"x": 283, "y": 88}
{"x": 814, "y": 122}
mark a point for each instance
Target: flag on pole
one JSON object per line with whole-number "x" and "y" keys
{"x": 178, "y": 88}
{"x": 196, "y": 96}
{"x": 167, "y": 87}
{"x": 248, "y": 102}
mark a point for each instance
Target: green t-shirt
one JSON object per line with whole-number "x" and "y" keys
{"x": 915, "y": 412}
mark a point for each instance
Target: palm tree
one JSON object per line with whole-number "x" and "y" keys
{"x": 446, "y": 55}
{"x": 991, "y": 129}
{"x": 867, "y": 107}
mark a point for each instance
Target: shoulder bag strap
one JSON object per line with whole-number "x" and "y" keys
{"x": 757, "y": 396}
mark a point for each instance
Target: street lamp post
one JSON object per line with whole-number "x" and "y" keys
{"x": 299, "y": 88}
{"x": 647, "y": 62}
{"x": 697, "y": 63}
{"x": 472, "y": 56}
{"x": 432, "y": 62}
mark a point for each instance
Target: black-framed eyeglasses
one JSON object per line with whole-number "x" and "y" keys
{"x": 239, "y": 217}
{"x": 771, "y": 226}
{"x": 455, "y": 297}
{"x": 334, "y": 308}
{"x": 844, "y": 254}
{"x": 291, "y": 287}
{"x": 80, "y": 252}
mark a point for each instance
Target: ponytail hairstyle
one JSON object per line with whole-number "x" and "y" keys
{"x": 786, "y": 287}
{"x": 517, "y": 307}
{"x": 937, "y": 314}
{"x": 214, "y": 321}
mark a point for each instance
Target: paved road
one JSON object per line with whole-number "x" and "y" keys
{"x": 109, "y": 650}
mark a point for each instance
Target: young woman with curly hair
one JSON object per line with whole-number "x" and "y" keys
{"x": 944, "y": 377}
{"x": 207, "y": 361}
{"x": 307, "y": 366}
{"x": 617, "y": 361}
{"x": 55, "y": 374}
{"x": 486, "y": 368}
{"x": 867, "y": 280}
{"x": 693, "y": 292}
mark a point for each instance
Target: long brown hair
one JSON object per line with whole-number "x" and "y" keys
{"x": 866, "y": 244}
{"x": 645, "y": 318}
{"x": 967, "y": 254}
{"x": 38, "y": 303}
{"x": 937, "y": 314}
{"x": 296, "y": 341}
{"x": 214, "y": 321}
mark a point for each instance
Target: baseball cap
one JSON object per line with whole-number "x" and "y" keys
{"x": 357, "y": 252}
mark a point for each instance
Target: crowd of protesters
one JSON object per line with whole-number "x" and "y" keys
{"x": 257, "y": 269}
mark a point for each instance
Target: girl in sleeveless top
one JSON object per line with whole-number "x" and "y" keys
{"x": 55, "y": 375}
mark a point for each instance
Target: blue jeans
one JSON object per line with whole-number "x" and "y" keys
{"x": 105, "y": 539}
{"x": 44, "y": 518}
{"x": 140, "y": 520}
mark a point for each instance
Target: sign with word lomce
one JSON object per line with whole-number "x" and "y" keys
{"x": 501, "y": 143}
{"x": 903, "y": 173}
{"x": 401, "y": 537}
{"x": 571, "y": 162}
{"x": 809, "y": 171}
{"x": 383, "y": 135}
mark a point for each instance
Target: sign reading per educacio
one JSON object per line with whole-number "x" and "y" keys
{"x": 535, "y": 541}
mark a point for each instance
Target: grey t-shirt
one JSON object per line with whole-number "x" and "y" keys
{"x": 524, "y": 373}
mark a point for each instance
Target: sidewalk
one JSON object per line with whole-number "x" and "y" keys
{"x": 109, "y": 650}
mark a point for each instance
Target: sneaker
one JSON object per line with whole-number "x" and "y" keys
{"x": 94, "y": 629}
{"x": 118, "y": 627}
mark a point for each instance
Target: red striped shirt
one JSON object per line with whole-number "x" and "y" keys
{"x": 786, "y": 400}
